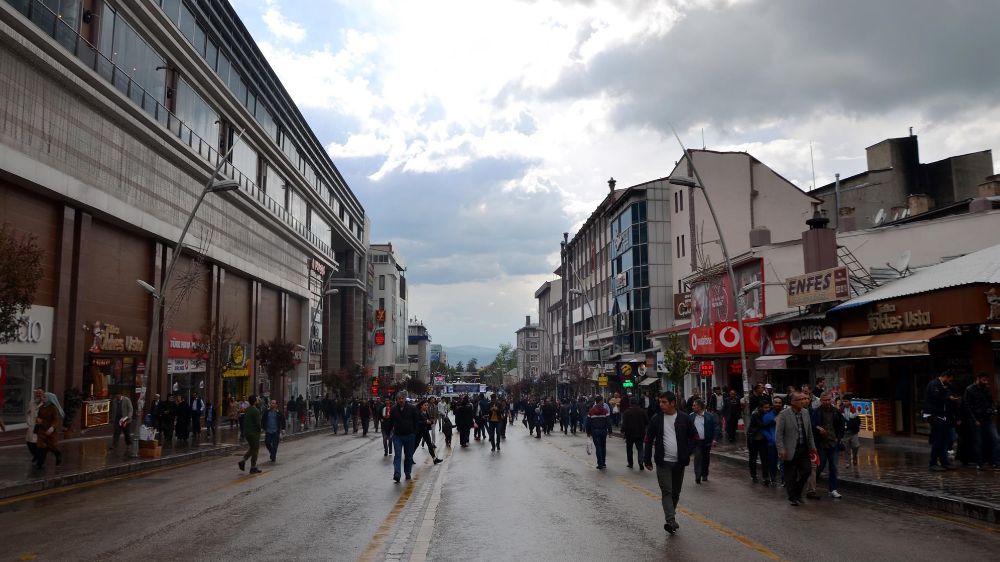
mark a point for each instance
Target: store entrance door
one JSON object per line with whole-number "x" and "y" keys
{"x": 23, "y": 374}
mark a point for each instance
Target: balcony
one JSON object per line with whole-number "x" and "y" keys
{"x": 50, "y": 23}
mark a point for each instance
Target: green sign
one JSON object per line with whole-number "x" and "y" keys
{"x": 628, "y": 383}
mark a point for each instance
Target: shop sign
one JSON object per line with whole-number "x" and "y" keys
{"x": 180, "y": 366}
{"x": 380, "y": 316}
{"x": 723, "y": 338}
{"x": 661, "y": 365}
{"x": 317, "y": 267}
{"x": 818, "y": 287}
{"x": 602, "y": 380}
{"x": 182, "y": 345}
{"x": 621, "y": 281}
{"x": 776, "y": 340}
{"x": 34, "y": 333}
{"x": 237, "y": 361}
{"x": 812, "y": 337}
{"x": 706, "y": 369}
{"x": 682, "y": 305}
{"x": 96, "y": 412}
{"x": 885, "y": 318}
{"x": 108, "y": 338}
{"x": 380, "y": 337}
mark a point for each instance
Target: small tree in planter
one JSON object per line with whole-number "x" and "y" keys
{"x": 276, "y": 357}
{"x": 676, "y": 361}
{"x": 20, "y": 270}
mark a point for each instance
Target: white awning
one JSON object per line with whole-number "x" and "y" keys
{"x": 648, "y": 381}
{"x": 767, "y": 362}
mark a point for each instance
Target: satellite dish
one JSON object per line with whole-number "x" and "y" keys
{"x": 879, "y": 217}
{"x": 902, "y": 265}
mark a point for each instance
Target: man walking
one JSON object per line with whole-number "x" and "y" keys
{"x": 197, "y": 411}
{"x": 121, "y": 417}
{"x": 705, "y": 424}
{"x": 251, "y": 432}
{"x": 598, "y": 427}
{"x": 731, "y": 411}
{"x": 978, "y": 406}
{"x": 794, "y": 440}
{"x": 828, "y": 423}
{"x": 670, "y": 439}
{"x": 404, "y": 419}
{"x": 937, "y": 412}
{"x": 274, "y": 424}
{"x": 634, "y": 429}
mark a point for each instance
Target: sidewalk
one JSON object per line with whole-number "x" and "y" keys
{"x": 89, "y": 458}
{"x": 901, "y": 473}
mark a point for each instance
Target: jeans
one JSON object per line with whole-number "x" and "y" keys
{"x": 271, "y": 442}
{"x": 629, "y": 443}
{"x": 702, "y": 456}
{"x": 492, "y": 430}
{"x": 771, "y": 471}
{"x": 940, "y": 434}
{"x": 758, "y": 449}
{"x": 828, "y": 458}
{"x": 600, "y": 439}
{"x": 403, "y": 444}
{"x": 386, "y": 441}
{"x": 670, "y": 477}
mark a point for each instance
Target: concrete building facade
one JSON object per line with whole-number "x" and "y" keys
{"x": 116, "y": 116}
{"x": 528, "y": 350}
{"x": 418, "y": 351}
{"x": 389, "y": 335}
{"x": 549, "y": 298}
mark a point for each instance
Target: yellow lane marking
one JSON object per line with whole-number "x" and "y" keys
{"x": 725, "y": 531}
{"x": 99, "y": 482}
{"x": 385, "y": 529}
{"x": 28, "y": 556}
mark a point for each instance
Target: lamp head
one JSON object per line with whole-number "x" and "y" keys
{"x": 223, "y": 185}
{"x": 683, "y": 181}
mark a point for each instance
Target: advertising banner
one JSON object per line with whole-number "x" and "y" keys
{"x": 818, "y": 287}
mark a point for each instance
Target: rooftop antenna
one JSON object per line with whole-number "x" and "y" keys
{"x": 813, "y": 161}
{"x": 703, "y": 138}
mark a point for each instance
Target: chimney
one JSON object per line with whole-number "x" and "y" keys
{"x": 527, "y": 320}
{"x": 611, "y": 184}
{"x": 991, "y": 187}
{"x": 819, "y": 244}
{"x": 847, "y": 221}
{"x": 760, "y": 236}
{"x": 919, "y": 203}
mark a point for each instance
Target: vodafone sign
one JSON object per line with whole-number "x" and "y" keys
{"x": 723, "y": 338}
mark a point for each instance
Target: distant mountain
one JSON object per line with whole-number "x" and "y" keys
{"x": 484, "y": 355}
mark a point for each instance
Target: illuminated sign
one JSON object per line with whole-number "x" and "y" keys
{"x": 380, "y": 338}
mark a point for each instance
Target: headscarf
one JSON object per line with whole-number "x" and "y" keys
{"x": 51, "y": 399}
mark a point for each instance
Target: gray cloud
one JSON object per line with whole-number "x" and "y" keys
{"x": 435, "y": 221}
{"x": 760, "y": 61}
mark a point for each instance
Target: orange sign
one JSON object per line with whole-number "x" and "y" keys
{"x": 380, "y": 316}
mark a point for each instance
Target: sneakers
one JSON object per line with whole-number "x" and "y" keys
{"x": 794, "y": 502}
{"x": 395, "y": 477}
{"x": 835, "y": 495}
{"x": 255, "y": 470}
{"x": 408, "y": 477}
{"x": 671, "y": 527}
{"x": 438, "y": 461}
{"x": 242, "y": 464}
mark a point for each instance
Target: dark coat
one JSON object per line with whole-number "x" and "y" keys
{"x": 634, "y": 422}
{"x": 687, "y": 437}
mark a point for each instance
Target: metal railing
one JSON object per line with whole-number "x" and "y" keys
{"x": 51, "y": 23}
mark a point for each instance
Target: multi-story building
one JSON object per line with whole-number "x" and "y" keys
{"x": 585, "y": 272}
{"x": 418, "y": 351}
{"x": 528, "y": 350}
{"x": 117, "y": 115}
{"x": 390, "y": 331}
{"x": 549, "y": 297}
{"x": 896, "y": 185}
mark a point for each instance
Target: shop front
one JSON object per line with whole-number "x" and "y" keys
{"x": 24, "y": 364}
{"x": 236, "y": 371}
{"x": 790, "y": 350}
{"x": 114, "y": 363}
{"x": 185, "y": 371}
{"x": 891, "y": 348}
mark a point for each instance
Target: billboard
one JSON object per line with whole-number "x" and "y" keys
{"x": 818, "y": 287}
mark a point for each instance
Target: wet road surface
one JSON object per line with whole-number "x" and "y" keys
{"x": 332, "y": 498}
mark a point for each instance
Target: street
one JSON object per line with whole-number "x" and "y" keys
{"x": 332, "y": 498}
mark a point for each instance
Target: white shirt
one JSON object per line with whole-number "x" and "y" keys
{"x": 699, "y": 424}
{"x": 669, "y": 438}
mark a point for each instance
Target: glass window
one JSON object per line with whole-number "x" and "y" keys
{"x": 171, "y": 8}
{"x": 318, "y": 226}
{"x": 195, "y": 112}
{"x": 279, "y": 190}
{"x": 237, "y": 86}
{"x": 139, "y": 61}
{"x": 222, "y": 68}
{"x": 266, "y": 120}
{"x": 381, "y": 282}
{"x": 211, "y": 53}
{"x": 244, "y": 158}
{"x": 107, "y": 31}
{"x": 199, "y": 40}
{"x": 297, "y": 206}
{"x": 187, "y": 24}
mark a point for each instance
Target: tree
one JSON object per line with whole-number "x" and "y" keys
{"x": 20, "y": 271}
{"x": 276, "y": 357}
{"x": 473, "y": 365}
{"x": 578, "y": 377}
{"x": 416, "y": 387}
{"x": 213, "y": 344}
{"x": 676, "y": 360}
{"x": 460, "y": 368}
{"x": 502, "y": 363}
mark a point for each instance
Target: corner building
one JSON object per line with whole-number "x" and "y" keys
{"x": 114, "y": 116}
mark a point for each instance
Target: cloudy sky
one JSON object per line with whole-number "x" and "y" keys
{"x": 476, "y": 132}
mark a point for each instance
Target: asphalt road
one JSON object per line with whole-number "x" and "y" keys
{"x": 332, "y": 498}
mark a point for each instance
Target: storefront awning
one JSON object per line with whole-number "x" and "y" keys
{"x": 648, "y": 381}
{"x": 902, "y": 344}
{"x": 766, "y": 362}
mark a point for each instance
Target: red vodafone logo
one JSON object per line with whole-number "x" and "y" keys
{"x": 729, "y": 337}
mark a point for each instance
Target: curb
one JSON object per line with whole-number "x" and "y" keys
{"x": 136, "y": 466}
{"x": 973, "y": 509}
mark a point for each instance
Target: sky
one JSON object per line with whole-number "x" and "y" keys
{"x": 475, "y": 133}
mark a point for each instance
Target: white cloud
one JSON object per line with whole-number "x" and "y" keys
{"x": 280, "y": 26}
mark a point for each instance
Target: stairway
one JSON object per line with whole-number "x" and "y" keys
{"x": 861, "y": 279}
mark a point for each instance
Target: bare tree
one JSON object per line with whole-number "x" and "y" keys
{"x": 20, "y": 271}
{"x": 213, "y": 348}
{"x": 191, "y": 279}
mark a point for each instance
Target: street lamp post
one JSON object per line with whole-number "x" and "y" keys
{"x": 698, "y": 183}
{"x": 159, "y": 295}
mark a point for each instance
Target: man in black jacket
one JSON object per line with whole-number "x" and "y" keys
{"x": 670, "y": 439}
{"x": 634, "y": 429}
{"x": 978, "y": 406}
{"x": 404, "y": 418}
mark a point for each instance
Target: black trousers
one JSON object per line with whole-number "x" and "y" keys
{"x": 118, "y": 431}
{"x": 629, "y": 444}
{"x": 758, "y": 449}
{"x": 797, "y": 473}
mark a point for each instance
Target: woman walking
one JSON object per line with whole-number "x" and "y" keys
{"x": 424, "y": 429}
{"x": 50, "y": 416}
{"x": 30, "y": 415}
